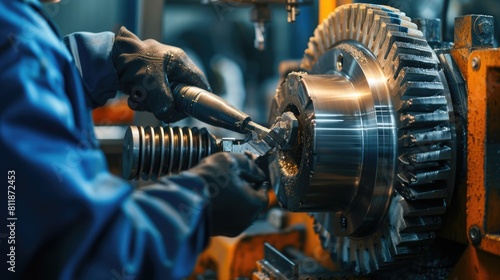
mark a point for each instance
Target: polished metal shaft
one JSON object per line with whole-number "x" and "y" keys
{"x": 149, "y": 153}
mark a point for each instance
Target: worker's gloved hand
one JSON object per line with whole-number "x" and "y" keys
{"x": 236, "y": 196}
{"x": 148, "y": 71}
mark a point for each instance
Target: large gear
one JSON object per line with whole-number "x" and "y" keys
{"x": 418, "y": 187}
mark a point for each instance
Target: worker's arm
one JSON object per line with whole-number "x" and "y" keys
{"x": 92, "y": 56}
{"x": 144, "y": 70}
{"x": 74, "y": 219}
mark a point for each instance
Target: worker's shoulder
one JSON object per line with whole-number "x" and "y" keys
{"x": 24, "y": 22}
{"x": 26, "y": 31}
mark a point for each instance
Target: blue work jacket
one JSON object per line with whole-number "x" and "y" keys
{"x": 69, "y": 217}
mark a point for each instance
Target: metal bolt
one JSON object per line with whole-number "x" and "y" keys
{"x": 277, "y": 218}
{"x": 340, "y": 62}
{"x": 343, "y": 223}
{"x": 484, "y": 26}
{"x": 475, "y": 235}
{"x": 476, "y": 63}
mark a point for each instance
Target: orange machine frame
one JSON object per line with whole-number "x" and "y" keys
{"x": 480, "y": 67}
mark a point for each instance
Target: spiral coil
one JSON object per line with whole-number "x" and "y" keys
{"x": 149, "y": 153}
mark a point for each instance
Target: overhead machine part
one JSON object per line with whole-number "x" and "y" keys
{"x": 261, "y": 14}
{"x": 374, "y": 158}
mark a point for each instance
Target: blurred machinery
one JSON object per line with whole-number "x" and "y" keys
{"x": 392, "y": 150}
{"x": 261, "y": 14}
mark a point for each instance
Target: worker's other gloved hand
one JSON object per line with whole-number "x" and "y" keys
{"x": 147, "y": 69}
{"x": 236, "y": 196}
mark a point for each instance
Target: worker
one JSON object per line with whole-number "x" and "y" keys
{"x": 70, "y": 218}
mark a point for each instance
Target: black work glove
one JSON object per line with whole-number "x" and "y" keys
{"x": 148, "y": 71}
{"x": 236, "y": 196}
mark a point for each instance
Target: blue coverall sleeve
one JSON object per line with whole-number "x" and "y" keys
{"x": 92, "y": 56}
{"x": 74, "y": 219}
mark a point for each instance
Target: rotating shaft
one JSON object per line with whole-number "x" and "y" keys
{"x": 149, "y": 153}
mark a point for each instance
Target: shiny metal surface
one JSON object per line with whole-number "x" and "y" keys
{"x": 149, "y": 153}
{"x": 348, "y": 138}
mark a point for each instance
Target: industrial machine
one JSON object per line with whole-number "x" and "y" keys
{"x": 385, "y": 141}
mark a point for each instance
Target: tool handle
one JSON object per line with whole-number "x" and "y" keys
{"x": 209, "y": 108}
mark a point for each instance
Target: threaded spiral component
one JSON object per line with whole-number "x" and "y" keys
{"x": 149, "y": 153}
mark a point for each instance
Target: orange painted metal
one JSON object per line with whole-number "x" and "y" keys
{"x": 483, "y": 200}
{"x": 325, "y": 8}
{"x": 480, "y": 66}
{"x": 237, "y": 257}
{"x": 476, "y": 264}
{"x": 312, "y": 244}
{"x": 481, "y": 70}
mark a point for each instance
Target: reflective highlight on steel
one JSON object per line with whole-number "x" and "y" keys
{"x": 149, "y": 153}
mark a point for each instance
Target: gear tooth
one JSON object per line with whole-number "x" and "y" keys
{"x": 426, "y": 154}
{"x": 375, "y": 257}
{"x": 382, "y": 37}
{"x": 309, "y": 56}
{"x": 420, "y": 119}
{"x": 355, "y": 262}
{"x": 374, "y": 33}
{"x": 384, "y": 254}
{"x": 390, "y": 9}
{"x": 342, "y": 22}
{"x": 327, "y": 37}
{"x": 313, "y": 46}
{"x": 416, "y": 49}
{"x": 424, "y": 208}
{"x": 346, "y": 22}
{"x": 364, "y": 259}
{"x": 408, "y": 60}
{"x": 306, "y": 63}
{"x": 415, "y": 33}
{"x": 416, "y": 238}
{"x": 421, "y": 224}
{"x": 408, "y": 24}
{"x": 367, "y": 26}
{"x": 305, "y": 66}
{"x": 353, "y": 18}
{"x": 419, "y": 177}
{"x": 318, "y": 40}
{"x": 344, "y": 252}
{"x": 340, "y": 248}
{"x": 331, "y": 29}
{"x": 422, "y": 104}
{"x": 419, "y": 138}
{"x": 413, "y": 74}
{"x": 419, "y": 193}
{"x": 398, "y": 36}
{"x": 358, "y": 31}
{"x": 411, "y": 89}
{"x": 399, "y": 48}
